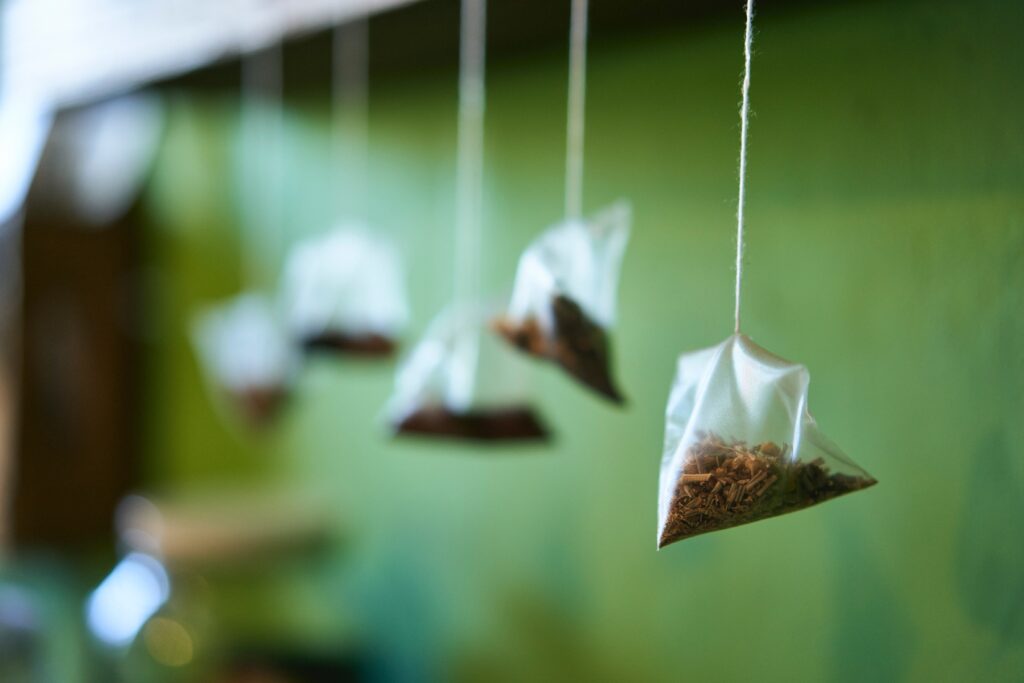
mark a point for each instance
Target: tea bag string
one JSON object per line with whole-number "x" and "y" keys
{"x": 575, "y": 110}
{"x": 470, "y": 152}
{"x": 468, "y": 203}
{"x": 748, "y": 43}
{"x": 350, "y": 104}
{"x": 262, "y": 121}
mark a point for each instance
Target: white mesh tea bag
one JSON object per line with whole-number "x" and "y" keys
{"x": 460, "y": 383}
{"x": 740, "y": 442}
{"x": 741, "y": 445}
{"x": 246, "y": 356}
{"x": 344, "y": 291}
{"x": 563, "y": 302}
{"x": 564, "y": 298}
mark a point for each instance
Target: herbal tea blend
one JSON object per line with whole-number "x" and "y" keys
{"x": 344, "y": 292}
{"x": 726, "y": 484}
{"x": 497, "y": 424}
{"x": 741, "y": 445}
{"x": 563, "y": 301}
{"x": 246, "y": 356}
{"x": 462, "y": 384}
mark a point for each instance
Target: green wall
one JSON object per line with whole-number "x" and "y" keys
{"x": 885, "y": 251}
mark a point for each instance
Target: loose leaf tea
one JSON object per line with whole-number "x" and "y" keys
{"x": 578, "y": 344}
{"x": 499, "y": 424}
{"x": 356, "y": 345}
{"x": 563, "y": 301}
{"x": 775, "y": 460}
{"x": 258, "y": 405}
{"x": 728, "y": 484}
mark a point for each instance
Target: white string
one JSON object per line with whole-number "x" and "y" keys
{"x": 469, "y": 162}
{"x": 468, "y": 203}
{"x": 263, "y": 151}
{"x": 574, "y": 116}
{"x": 748, "y": 42}
{"x": 350, "y": 78}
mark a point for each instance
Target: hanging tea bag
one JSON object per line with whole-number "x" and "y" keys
{"x": 740, "y": 442}
{"x": 563, "y": 301}
{"x": 246, "y": 356}
{"x": 344, "y": 291}
{"x": 460, "y": 383}
{"x": 741, "y": 445}
{"x": 241, "y": 343}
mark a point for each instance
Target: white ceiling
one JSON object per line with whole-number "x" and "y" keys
{"x": 61, "y": 52}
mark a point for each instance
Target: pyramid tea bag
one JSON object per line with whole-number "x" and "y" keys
{"x": 740, "y": 442}
{"x": 563, "y": 300}
{"x": 246, "y": 356}
{"x": 459, "y": 382}
{"x": 741, "y": 445}
{"x": 462, "y": 384}
{"x": 242, "y": 347}
{"x": 344, "y": 291}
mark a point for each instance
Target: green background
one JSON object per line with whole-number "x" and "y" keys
{"x": 885, "y": 251}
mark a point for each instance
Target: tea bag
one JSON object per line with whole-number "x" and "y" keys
{"x": 246, "y": 356}
{"x": 563, "y": 300}
{"x": 741, "y": 445}
{"x": 344, "y": 291}
{"x": 463, "y": 384}
{"x": 458, "y": 382}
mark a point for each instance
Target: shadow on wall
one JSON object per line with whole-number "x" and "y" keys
{"x": 548, "y": 644}
{"x": 990, "y": 561}
{"x": 873, "y": 638}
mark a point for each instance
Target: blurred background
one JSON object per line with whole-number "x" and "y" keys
{"x": 149, "y": 535}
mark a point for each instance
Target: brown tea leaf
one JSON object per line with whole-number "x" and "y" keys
{"x": 577, "y": 343}
{"x": 499, "y": 424}
{"x": 724, "y": 485}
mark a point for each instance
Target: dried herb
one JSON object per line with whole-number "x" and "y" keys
{"x": 724, "y": 485}
{"x": 369, "y": 345}
{"x": 578, "y": 344}
{"x": 259, "y": 404}
{"x": 501, "y": 424}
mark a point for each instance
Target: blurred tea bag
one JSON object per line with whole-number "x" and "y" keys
{"x": 344, "y": 291}
{"x": 246, "y": 356}
{"x": 741, "y": 445}
{"x": 564, "y": 298}
{"x": 460, "y": 383}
